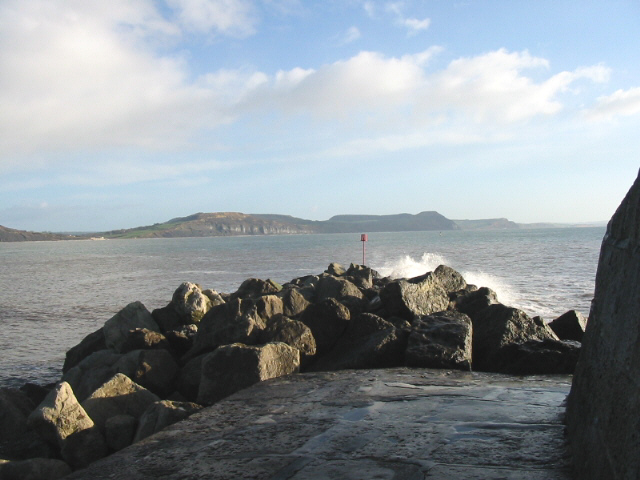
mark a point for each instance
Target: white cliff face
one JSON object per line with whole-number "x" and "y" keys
{"x": 602, "y": 410}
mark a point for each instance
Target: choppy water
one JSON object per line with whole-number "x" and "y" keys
{"x": 52, "y": 294}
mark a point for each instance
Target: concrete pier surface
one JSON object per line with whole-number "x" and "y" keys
{"x": 407, "y": 424}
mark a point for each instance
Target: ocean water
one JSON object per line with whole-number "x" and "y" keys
{"x": 52, "y": 294}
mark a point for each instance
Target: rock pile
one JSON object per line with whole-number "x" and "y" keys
{"x": 145, "y": 370}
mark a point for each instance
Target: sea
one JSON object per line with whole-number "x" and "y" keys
{"x": 53, "y": 294}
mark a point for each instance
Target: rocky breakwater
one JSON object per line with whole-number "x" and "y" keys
{"x": 143, "y": 371}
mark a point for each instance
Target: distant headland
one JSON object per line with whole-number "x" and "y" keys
{"x": 234, "y": 223}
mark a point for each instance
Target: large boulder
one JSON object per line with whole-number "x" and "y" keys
{"x": 119, "y": 431}
{"x": 84, "y": 447}
{"x": 234, "y": 367}
{"x": 116, "y": 329}
{"x": 440, "y": 340}
{"x": 569, "y": 326}
{"x": 91, "y": 343}
{"x": 17, "y": 440}
{"x": 118, "y": 396}
{"x": 368, "y": 342}
{"x": 190, "y": 303}
{"x": 327, "y": 321}
{"x": 541, "y": 357}
{"x": 450, "y": 279}
{"x": 292, "y": 332}
{"x": 34, "y": 469}
{"x": 498, "y": 326}
{"x": 161, "y": 414}
{"x": 341, "y": 289}
{"x": 237, "y": 321}
{"x": 255, "y": 287}
{"x": 144, "y": 339}
{"x": 415, "y": 297}
{"x": 268, "y": 306}
{"x": 91, "y": 372}
{"x": 188, "y": 381}
{"x": 474, "y": 302}
{"x": 59, "y": 416}
{"x": 603, "y": 418}
{"x": 294, "y": 302}
{"x": 155, "y": 370}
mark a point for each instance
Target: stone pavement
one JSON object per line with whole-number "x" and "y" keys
{"x": 403, "y": 424}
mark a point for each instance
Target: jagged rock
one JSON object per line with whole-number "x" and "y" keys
{"x": 155, "y": 370}
{"x": 415, "y": 297}
{"x": 473, "y": 302}
{"x": 59, "y": 415}
{"x": 36, "y": 393}
{"x": 540, "y": 357}
{"x": 118, "y": 396}
{"x": 254, "y": 288}
{"x": 116, "y": 329}
{"x": 34, "y": 469}
{"x": 368, "y": 342}
{"x": 214, "y": 297}
{"x": 17, "y": 441}
{"x": 340, "y": 289}
{"x": 119, "y": 431}
{"x": 84, "y": 447}
{"x": 602, "y": 409}
{"x": 450, "y": 279}
{"x": 91, "y": 372}
{"x": 91, "y": 343}
{"x": 292, "y": 332}
{"x": 182, "y": 339}
{"x": 189, "y": 378}
{"x": 440, "y": 340}
{"x": 327, "y": 320}
{"x": 569, "y": 326}
{"x": 167, "y": 318}
{"x": 498, "y": 326}
{"x": 161, "y": 414}
{"x": 294, "y": 303}
{"x": 269, "y": 305}
{"x": 234, "y": 367}
{"x": 190, "y": 303}
{"x": 237, "y": 321}
{"x": 335, "y": 269}
{"x": 361, "y": 275}
{"x": 143, "y": 338}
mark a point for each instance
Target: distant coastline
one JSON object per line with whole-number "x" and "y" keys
{"x": 235, "y": 224}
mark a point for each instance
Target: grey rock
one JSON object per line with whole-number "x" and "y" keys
{"x": 254, "y": 288}
{"x": 91, "y": 372}
{"x": 167, "y": 318}
{"x": 155, "y": 370}
{"x": 182, "y": 339}
{"x": 119, "y": 431}
{"x": 602, "y": 409}
{"x": 327, "y": 321}
{"x": 190, "y": 303}
{"x": 234, "y": 367}
{"x": 361, "y": 275}
{"x": 34, "y": 469}
{"x": 91, "y": 343}
{"x": 84, "y": 447}
{"x": 498, "y": 326}
{"x": 189, "y": 378}
{"x": 540, "y": 357}
{"x": 269, "y": 305}
{"x": 368, "y": 342}
{"x": 335, "y": 269}
{"x": 569, "y": 326}
{"x": 161, "y": 414}
{"x": 473, "y": 302}
{"x": 292, "y": 332}
{"x": 440, "y": 340}
{"x": 294, "y": 302}
{"x": 339, "y": 288}
{"x": 237, "y": 321}
{"x": 17, "y": 441}
{"x": 415, "y": 297}
{"x": 214, "y": 297}
{"x": 59, "y": 415}
{"x": 450, "y": 279}
{"x": 118, "y": 396}
{"x": 135, "y": 315}
{"x": 143, "y": 338}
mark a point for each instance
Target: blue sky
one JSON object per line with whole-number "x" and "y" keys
{"x": 130, "y": 112}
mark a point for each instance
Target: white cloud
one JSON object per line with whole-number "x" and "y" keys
{"x": 230, "y": 17}
{"x": 619, "y": 103}
{"x": 352, "y": 34}
{"x": 414, "y": 25}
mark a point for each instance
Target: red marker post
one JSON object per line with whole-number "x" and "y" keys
{"x": 363, "y": 239}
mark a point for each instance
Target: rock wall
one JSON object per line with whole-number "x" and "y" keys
{"x": 603, "y": 408}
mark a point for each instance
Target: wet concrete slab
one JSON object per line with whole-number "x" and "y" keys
{"x": 368, "y": 424}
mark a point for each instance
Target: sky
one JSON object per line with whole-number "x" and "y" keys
{"x": 121, "y": 113}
